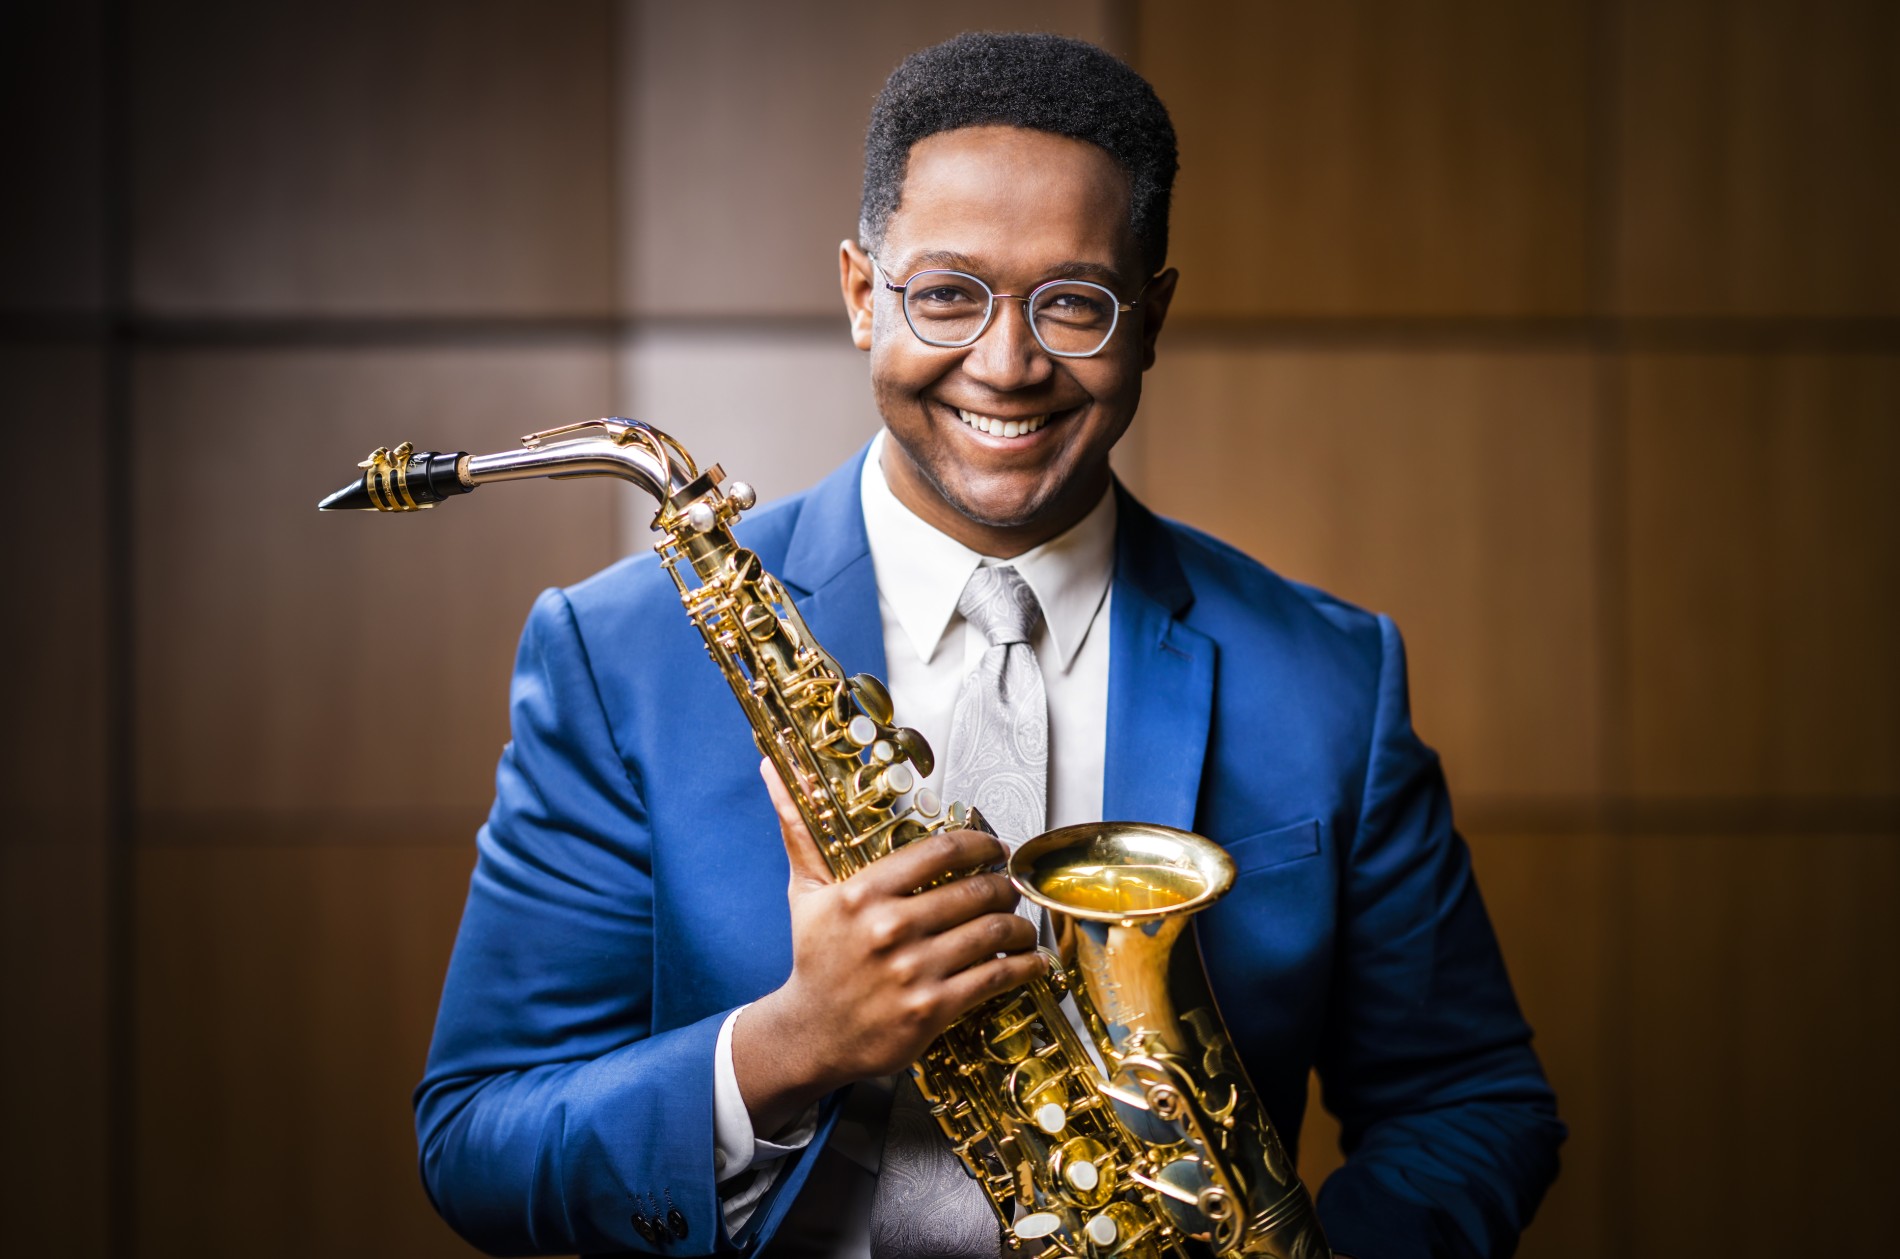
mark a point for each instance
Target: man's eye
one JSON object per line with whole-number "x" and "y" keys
{"x": 1075, "y": 306}
{"x": 942, "y": 295}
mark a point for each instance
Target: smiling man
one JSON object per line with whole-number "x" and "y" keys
{"x": 646, "y": 1044}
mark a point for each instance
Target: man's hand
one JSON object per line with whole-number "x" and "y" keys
{"x": 878, "y": 968}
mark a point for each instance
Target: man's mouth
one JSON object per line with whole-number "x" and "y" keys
{"x": 997, "y": 426}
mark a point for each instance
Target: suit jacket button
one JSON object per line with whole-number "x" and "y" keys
{"x": 645, "y": 1227}
{"x": 676, "y": 1221}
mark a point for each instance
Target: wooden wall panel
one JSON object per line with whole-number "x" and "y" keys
{"x": 1453, "y": 490}
{"x": 1320, "y": 1156}
{"x": 1764, "y": 553}
{"x": 744, "y": 131}
{"x": 1553, "y": 902}
{"x": 1759, "y": 1034}
{"x": 53, "y": 1056}
{"x": 54, "y": 809}
{"x": 52, "y": 146}
{"x": 268, "y": 632}
{"x": 1757, "y": 173}
{"x": 286, "y": 994}
{"x": 780, "y": 409}
{"x": 53, "y": 636}
{"x": 1377, "y": 159}
{"x": 357, "y": 158}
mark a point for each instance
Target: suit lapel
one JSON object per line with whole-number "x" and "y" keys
{"x": 828, "y": 572}
{"x": 1160, "y": 680}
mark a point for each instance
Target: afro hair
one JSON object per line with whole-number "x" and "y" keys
{"x": 1041, "y": 82}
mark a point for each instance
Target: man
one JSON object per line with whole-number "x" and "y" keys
{"x": 646, "y": 1044}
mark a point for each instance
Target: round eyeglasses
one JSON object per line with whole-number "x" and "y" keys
{"x": 951, "y": 309}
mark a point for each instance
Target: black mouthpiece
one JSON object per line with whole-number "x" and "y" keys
{"x": 352, "y": 497}
{"x": 401, "y": 480}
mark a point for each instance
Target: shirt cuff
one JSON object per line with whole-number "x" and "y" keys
{"x": 744, "y": 1166}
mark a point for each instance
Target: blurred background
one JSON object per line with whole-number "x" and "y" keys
{"x": 1568, "y": 333}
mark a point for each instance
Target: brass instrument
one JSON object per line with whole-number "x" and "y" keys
{"x": 1153, "y": 1144}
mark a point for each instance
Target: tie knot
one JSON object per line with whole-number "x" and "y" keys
{"x": 1001, "y": 605}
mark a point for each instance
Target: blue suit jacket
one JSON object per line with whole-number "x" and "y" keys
{"x": 630, "y": 891}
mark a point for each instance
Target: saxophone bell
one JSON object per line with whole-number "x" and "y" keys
{"x": 1120, "y": 895}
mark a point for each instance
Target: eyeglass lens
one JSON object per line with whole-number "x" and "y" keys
{"x": 949, "y": 308}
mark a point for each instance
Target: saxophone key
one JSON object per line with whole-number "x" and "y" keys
{"x": 1086, "y": 1169}
{"x": 1038, "y": 1225}
{"x": 1037, "y": 1091}
{"x": 1120, "y": 1230}
{"x": 1007, "y": 1035}
{"x": 872, "y": 698}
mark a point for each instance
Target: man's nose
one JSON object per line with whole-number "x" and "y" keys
{"x": 1007, "y": 355}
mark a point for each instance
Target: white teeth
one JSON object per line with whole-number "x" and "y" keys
{"x": 1001, "y": 428}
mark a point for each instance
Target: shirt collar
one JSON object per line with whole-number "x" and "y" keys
{"x": 921, "y": 572}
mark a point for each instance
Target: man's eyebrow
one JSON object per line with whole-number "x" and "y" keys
{"x": 1088, "y": 271}
{"x": 950, "y": 259}
{"x": 933, "y": 259}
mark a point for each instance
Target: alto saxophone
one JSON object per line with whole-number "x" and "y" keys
{"x": 1154, "y": 1144}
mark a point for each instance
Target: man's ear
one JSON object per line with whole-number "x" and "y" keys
{"x": 856, "y": 278}
{"x": 1154, "y": 308}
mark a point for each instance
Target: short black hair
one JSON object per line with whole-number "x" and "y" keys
{"x": 1042, "y": 82}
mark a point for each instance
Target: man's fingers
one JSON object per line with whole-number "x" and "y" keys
{"x": 926, "y": 860}
{"x": 808, "y": 864}
{"x": 967, "y": 989}
{"x": 980, "y": 939}
{"x": 960, "y": 901}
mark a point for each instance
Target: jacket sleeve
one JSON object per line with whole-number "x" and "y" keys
{"x": 1449, "y": 1127}
{"x": 551, "y": 1109}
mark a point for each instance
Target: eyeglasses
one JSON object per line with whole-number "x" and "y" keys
{"x": 949, "y": 309}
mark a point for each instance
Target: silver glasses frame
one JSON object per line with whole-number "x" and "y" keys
{"x": 989, "y": 315}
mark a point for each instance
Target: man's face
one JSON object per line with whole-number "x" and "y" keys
{"x": 1015, "y": 208}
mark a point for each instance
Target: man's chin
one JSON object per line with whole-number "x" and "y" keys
{"x": 997, "y": 511}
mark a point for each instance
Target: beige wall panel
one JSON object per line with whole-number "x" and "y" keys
{"x": 1764, "y": 558}
{"x": 1759, "y": 1037}
{"x": 52, "y": 147}
{"x": 1452, "y": 490}
{"x": 285, "y": 996}
{"x": 446, "y": 157}
{"x": 744, "y": 139}
{"x": 278, "y": 647}
{"x": 778, "y": 409}
{"x": 1757, "y": 143}
{"x": 1550, "y": 898}
{"x": 53, "y": 1057}
{"x": 1416, "y": 158}
{"x": 52, "y": 768}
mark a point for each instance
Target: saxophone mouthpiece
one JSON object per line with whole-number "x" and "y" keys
{"x": 403, "y": 479}
{"x": 352, "y": 497}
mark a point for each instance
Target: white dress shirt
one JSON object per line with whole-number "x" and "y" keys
{"x": 928, "y": 650}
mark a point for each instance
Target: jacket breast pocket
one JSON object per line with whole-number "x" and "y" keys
{"x": 1263, "y": 850}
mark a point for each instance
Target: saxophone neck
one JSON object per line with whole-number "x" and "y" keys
{"x": 407, "y": 479}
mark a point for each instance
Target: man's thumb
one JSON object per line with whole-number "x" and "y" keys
{"x": 808, "y": 864}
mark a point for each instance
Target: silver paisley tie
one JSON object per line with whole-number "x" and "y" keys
{"x": 926, "y": 1206}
